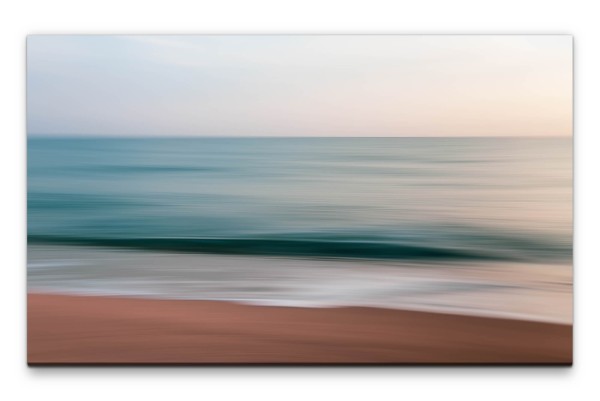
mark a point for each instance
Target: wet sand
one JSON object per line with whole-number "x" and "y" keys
{"x": 105, "y": 330}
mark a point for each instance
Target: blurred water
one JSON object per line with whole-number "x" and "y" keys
{"x": 359, "y": 197}
{"x": 409, "y": 201}
{"x": 505, "y": 289}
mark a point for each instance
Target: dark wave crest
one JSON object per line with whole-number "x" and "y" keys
{"x": 303, "y": 247}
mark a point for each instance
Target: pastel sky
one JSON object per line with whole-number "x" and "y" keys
{"x": 299, "y": 85}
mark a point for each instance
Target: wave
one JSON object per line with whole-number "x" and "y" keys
{"x": 305, "y": 247}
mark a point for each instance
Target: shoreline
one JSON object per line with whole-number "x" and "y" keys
{"x": 437, "y": 310}
{"x": 520, "y": 291}
{"x": 70, "y": 329}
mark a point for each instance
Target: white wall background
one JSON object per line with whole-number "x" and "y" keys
{"x": 20, "y": 18}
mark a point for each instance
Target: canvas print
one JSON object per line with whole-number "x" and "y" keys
{"x": 299, "y": 199}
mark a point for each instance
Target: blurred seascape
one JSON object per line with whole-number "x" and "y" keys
{"x": 464, "y": 225}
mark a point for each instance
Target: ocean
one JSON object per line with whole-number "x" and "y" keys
{"x": 467, "y": 225}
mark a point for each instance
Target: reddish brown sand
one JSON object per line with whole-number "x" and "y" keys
{"x": 71, "y": 329}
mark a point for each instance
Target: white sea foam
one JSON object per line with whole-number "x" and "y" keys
{"x": 524, "y": 291}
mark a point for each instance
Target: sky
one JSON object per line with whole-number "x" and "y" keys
{"x": 299, "y": 85}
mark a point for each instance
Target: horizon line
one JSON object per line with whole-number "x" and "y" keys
{"x": 165, "y": 136}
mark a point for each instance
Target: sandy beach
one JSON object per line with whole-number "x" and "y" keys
{"x": 105, "y": 330}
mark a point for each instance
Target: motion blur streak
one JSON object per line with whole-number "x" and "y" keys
{"x": 477, "y": 225}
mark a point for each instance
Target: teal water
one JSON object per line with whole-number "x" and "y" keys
{"x": 461, "y": 225}
{"x": 374, "y": 198}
